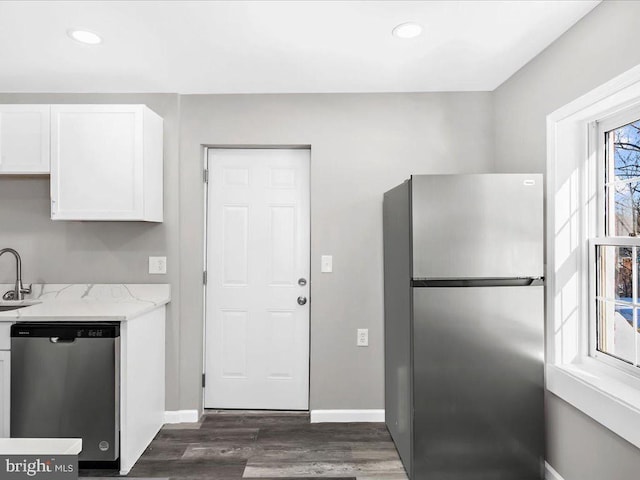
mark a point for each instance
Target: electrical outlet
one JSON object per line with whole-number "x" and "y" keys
{"x": 157, "y": 265}
{"x": 363, "y": 337}
{"x": 326, "y": 264}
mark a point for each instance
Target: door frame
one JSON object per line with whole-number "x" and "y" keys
{"x": 205, "y": 180}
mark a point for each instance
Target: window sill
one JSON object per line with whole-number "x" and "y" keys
{"x": 606, "y": 394}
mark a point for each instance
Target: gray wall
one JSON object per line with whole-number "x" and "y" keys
{"x": 102, "y": 252}
{"x": 361, "y": 146}
{"x": 579, "y": 448}
{"x": 602, "y": 45}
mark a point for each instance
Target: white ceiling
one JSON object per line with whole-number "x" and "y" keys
{"x": 274, "y": 46}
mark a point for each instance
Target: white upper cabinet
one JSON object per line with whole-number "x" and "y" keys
{"x": 106, "y": 163}
{"x": 24, "y": 139}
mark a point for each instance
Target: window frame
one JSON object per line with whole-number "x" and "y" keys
{"x": 607, "y": 394}
{"x": 598, "y": 148}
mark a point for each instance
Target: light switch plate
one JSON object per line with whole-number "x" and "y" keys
{"x": 363, "y": 337}
{"x": 157, "y": 265}
{"x": 326, "y": 264}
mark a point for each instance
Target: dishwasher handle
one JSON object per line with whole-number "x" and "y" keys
{"x": 61, "y": 340}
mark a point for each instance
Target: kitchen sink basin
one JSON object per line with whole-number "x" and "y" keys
{"x": 14, "y": 305}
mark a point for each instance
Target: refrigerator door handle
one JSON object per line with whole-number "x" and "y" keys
{"x": 478, "y": 282}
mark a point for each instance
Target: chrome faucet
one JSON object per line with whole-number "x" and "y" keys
{"x": 18, "y": 292}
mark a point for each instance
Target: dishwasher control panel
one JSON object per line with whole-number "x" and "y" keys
{"x": 66, "y": 330}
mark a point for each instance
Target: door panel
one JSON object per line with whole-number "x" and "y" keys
{"x": 282, "y": 242}
{"x": 234, "y": 344}
{"x": 234, "y": 251}
{"x": 257, "y": 335}
{"x": 478, "y": 383}
{"x": 477, "y": 226}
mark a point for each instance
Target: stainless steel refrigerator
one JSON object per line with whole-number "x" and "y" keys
{"x": 464, "y": 326}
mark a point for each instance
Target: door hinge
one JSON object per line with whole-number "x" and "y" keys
{"x": 204, "y": 380}
{"x": 205, "y": 176}
{"x": 204, "y": 277}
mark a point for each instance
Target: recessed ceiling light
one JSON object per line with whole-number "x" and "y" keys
{"x": 84, "y": 36}
{"x": 407, "y": 30}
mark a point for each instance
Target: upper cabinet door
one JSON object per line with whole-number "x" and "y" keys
{"x": 106, "y": 163}
{"x": 24, "y": 139}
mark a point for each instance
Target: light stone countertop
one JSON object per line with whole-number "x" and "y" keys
{"x": 88, "y": 302}
{"x": 40, "y": 446}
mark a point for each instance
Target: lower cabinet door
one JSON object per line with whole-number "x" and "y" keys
{"x": 5, "y": 392}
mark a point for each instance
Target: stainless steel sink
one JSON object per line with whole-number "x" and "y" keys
{"x": 14, "y": 305}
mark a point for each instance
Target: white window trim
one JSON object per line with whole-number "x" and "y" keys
{"x": 607, "y": 394}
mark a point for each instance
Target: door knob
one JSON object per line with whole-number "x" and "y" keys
{"x": 302, "y": 300}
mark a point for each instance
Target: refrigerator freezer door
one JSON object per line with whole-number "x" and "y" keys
{"x": 477, "y": 226}
{"x": 478, "y": 383}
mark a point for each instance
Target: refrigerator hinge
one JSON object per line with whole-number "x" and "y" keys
{"x": 205, "y": 176}
{"x": 204, "y": 277}
{"x": 204, "y": 376}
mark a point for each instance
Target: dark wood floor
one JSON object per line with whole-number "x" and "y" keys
{"x": 227, "y": 445}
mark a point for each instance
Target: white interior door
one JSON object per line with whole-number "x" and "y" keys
{"x": 258, "y": 241}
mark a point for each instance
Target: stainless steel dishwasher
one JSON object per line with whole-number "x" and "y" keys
{"x": 65, "y": 383}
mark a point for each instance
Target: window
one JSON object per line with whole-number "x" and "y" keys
{"x": 593, "y": 254}
{"x": 616, "y": 316}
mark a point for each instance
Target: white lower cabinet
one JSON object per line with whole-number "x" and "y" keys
{"x": 142, "y": 383}
{"x": 5, "y": 392}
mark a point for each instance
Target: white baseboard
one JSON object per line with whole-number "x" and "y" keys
{"x": 325, "y": 416}
{"x": 550, "y": 473}
{"x": 181, "y": 416}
